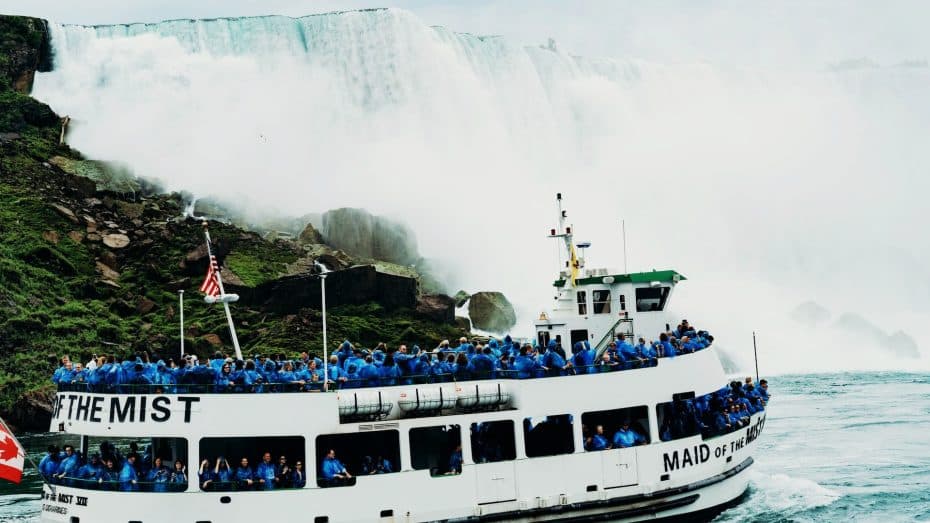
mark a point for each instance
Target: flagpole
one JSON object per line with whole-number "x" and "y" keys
{"x": 325, "y": 348}
{"x": 219, "y": 281}
{"x": 181, "y": 297}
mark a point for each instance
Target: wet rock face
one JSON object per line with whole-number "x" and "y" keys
{"x": 32, "y": 412}
{"x": 25, "y": 47}
{"x": 360, "y": 233}
{"x": 492, "y": 312}
{"x": 436, "y": 307}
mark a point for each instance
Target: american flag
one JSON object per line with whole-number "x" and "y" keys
{"x": 211, "y": 285}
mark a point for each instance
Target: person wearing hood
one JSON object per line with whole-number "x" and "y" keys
{"x": 48, "y": 466}
{"x": 647, "y": 351}
{"x": 298, "y": 477}
{"x": 206, "y": 475}
{"x": 343, "y": 353}
{"x": 69, "y": 465}
{"x": 599, "y": 440}
{"x": 357, "y": 358}
{"x": 265, "y": 473}
{"x": 455, "y": 461}
{"x": 244, "y": 475}
{"x": 128, "y": 480}
{"x": 389, "y": 372}
{"x": 628, "y": 352}
{"x": 352, "y": 377}
{"x": 422, "y": 367}
{"x": 109, "y": 476}
{"x": 441, "y": 368}
{"x": 223, "y": 474}
{"x": 333, "y": 471}
{"x": 164, "y": 378}
{"x": 89, "y": 474}
{"x": 404, "y": 361}
{"x": 525, "y": 364}
{"x": 495, "y": 348}
{"x": 224, "y": 380}
{"x": 481, "y": 365}
{"x": 178, "y": 480}
{"x": 626, "y": 436}
{"x": 158, "y": 476}
{"x": 584, "y": 357}
{"x": 368, "y": 373}
{"x": 552, "y": 361}
{"x": 668, "y": 350}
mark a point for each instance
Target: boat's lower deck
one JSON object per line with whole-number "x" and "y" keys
{"x": 661, "y": 479}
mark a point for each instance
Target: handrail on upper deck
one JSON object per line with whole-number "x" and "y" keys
{"x": 421, "y": 379}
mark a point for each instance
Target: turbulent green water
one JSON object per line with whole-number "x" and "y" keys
{"x": 836, "y": 447}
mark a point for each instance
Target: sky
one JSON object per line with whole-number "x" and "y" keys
{"x": 790, "y": 34}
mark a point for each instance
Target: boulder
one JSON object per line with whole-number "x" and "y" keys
{"x": 309, "y": 236}
{"x": 116, "y": 241}
{"x": 109, "y": 259}
{"x": 492, "y": 312}
{"x": 463, "y": 323}
{"x": 65, "y": 213}
{"x": 436, "y": 307}
{"x": 213, "y": 339}
{"x": 106, "y": 272}
{"x": 144, "y": 306}
{"x": 50, "y": 236}
{"x": 76, "y": 236}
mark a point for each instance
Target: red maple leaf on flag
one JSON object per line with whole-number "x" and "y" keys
{"x": 8, "y": 449}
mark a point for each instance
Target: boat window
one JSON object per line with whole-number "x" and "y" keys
{"x": 493, "y": 441}
{"x": 549, "y": 435}
{"x": 600, "y": 428}
{"x": 251, "y": 463}
{"x": 98, "y": 466}
{"x": 651, "y": 298}
{"x": 543, "y": 338}
{"x": 343, "y": 457}
{"x": 438, "y": 449}
{"x": 578, "y": 335}
{"x": 582, "y": 302}
{"x": 622, "y": 302}
{"x": 679, "y": 418}
{"x": 601, "y": 301}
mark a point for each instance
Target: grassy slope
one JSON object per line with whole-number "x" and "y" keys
{"x": 52, "y": 301}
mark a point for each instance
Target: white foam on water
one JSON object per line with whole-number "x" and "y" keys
{"x": 779, "y": 495}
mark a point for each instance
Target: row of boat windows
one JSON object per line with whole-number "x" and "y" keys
{"x": 647, "y": 299}
{"x": 270, "y": 463}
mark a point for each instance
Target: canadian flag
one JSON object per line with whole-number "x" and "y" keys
{"x": 12, "y": 455}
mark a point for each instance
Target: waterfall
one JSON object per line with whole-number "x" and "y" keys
{"x": 767, "y": 187}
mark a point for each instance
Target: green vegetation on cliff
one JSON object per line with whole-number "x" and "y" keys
{"x": 88, "y": 271}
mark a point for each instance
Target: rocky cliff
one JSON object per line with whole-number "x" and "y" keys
{"x": 89, "y": 267}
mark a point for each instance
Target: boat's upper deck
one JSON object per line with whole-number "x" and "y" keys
{"x": 352, "y": 368}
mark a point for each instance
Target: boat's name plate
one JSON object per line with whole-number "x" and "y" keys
{"x": 96, "y": 408}
{"x": 698, "y": 454}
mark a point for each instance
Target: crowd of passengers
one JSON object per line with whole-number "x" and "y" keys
{"x": 351, "y": 366}
{"x": 218, "y": 475}
{"x": 713, "y": 414}
{"x": 109, "y": 469}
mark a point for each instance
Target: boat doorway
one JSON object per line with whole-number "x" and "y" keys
{"x": 496, "y": 482}
{"x": 619, "y": 467}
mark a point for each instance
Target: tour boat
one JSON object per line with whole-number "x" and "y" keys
{"x": 521, "y": 442}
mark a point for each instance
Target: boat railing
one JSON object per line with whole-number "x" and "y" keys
{"x": 351, "y": 384}
{"x": 117, "y": 485}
